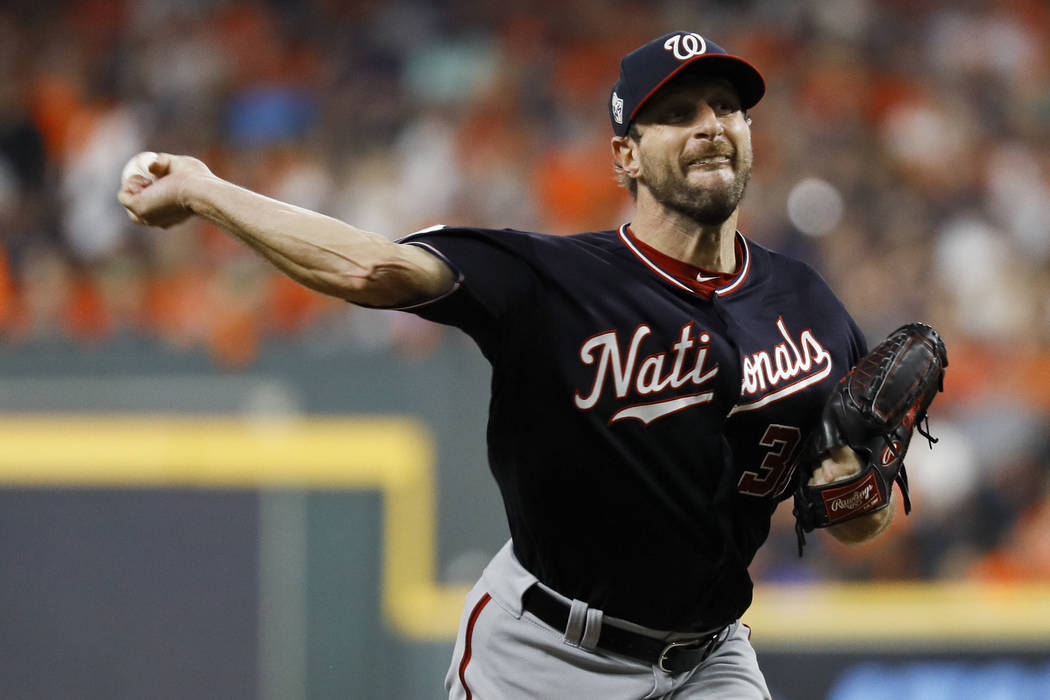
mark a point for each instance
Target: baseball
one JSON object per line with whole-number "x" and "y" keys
{"x": 139, "y": 165}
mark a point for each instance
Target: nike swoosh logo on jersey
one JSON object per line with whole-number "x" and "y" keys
{"x": 701, "y": 278}
{"x": 648, "y": 412}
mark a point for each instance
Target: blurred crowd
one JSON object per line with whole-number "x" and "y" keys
{"x": 903, "y": 148}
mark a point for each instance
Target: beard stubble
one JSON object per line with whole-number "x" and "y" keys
{"x": 710, "y": 205}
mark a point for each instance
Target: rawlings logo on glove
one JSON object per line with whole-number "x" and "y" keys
{"x": 858, "y": 498}
{"x": 874, "y": 411}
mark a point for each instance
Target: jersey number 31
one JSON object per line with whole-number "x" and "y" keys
{"x": 774, "y": 473}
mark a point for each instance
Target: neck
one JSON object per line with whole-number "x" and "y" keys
{"x": 675, "y": 234}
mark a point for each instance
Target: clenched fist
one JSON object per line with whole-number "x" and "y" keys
{"x": 162, "y": 201}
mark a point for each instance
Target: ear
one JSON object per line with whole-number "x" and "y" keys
{"x": 625, "y": 155}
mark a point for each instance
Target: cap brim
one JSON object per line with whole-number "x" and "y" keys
{"x": 749, "y": 84}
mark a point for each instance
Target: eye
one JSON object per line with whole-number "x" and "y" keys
{"x": 676, "y": 114}
{"x": 724, "y": 106}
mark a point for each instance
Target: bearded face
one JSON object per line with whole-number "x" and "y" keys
{"x": 694, "y": 149}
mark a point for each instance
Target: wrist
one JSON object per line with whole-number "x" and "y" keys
{"x": 194, "y": 190}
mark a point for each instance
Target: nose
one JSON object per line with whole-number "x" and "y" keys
{"x": 707, "y": 125}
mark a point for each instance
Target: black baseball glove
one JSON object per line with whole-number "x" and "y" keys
{"x": 874, "y": 410}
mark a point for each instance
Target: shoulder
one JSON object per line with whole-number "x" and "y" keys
{"x": 501, "y": 273}
{"x": 799, "y": 278}
{"x": 510, "y": 236}
{"x": 788, "y": 272}
{"x": 783, "y": 263}
{"x": 524, "y": 244}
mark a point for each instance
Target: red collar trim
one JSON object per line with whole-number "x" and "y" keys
{"x": 690, "y": 277}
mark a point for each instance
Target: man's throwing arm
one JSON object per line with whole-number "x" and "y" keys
{"x": 315, "y": 250}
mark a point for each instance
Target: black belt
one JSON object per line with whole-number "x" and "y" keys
{"x": 672, "y": 657}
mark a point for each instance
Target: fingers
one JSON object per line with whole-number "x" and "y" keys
{"x": 126, "y": 197}
{"x": 131, "y": 187}
{"x": 136, "y": 183}
{"x": 161, "y": 165}
{"x": 129, "y": 198}
{"x": 819, "y": 477}
{"x": 840, "y": 463}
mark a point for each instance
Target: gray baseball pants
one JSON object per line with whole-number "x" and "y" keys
{"x": 504, "y": 652}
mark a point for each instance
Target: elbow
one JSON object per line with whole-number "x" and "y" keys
{"x": 371, "y": 285}
{"x": 403, "y": 275}
{"x": 348, "y": 282}
{"x": 355, "y": 285}
{"x": 352, "y": 281}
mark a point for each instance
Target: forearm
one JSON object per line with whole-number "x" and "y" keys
{"x": 318, "y": 251}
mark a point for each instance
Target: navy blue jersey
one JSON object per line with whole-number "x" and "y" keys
{"x": 641, "y": 429}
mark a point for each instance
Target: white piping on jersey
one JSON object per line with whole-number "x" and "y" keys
{"x": 673, "y": 280}
{"x": 428, "y": 229}
{"x": 743, "y": 268}
{"x": 649, "y": 263}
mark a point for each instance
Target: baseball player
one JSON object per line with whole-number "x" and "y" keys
{"x": 652, "y": 391}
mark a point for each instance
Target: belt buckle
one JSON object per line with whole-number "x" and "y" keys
{"x": 677, "y": 645}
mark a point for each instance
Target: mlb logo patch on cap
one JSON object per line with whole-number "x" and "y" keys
{"x": 646, "y": 69}
{"x": 617, "y": 108}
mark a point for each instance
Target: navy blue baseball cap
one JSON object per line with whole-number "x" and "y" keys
{"x": 648, "y": 68}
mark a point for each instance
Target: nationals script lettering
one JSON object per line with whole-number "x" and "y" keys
{"x": 683, "y": 365}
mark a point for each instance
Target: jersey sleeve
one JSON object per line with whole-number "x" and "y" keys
{"x": 825, "y": 298}
{"x": 858, "y": 343}
{"x": 493, "y": 279}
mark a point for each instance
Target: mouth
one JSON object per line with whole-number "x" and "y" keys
{"x": 712, "y": 162}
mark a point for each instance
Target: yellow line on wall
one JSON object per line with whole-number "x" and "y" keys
{"x": 392, "y": 455}
{"x": 395, "y": 456}
{"x": 941, "y": 615}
